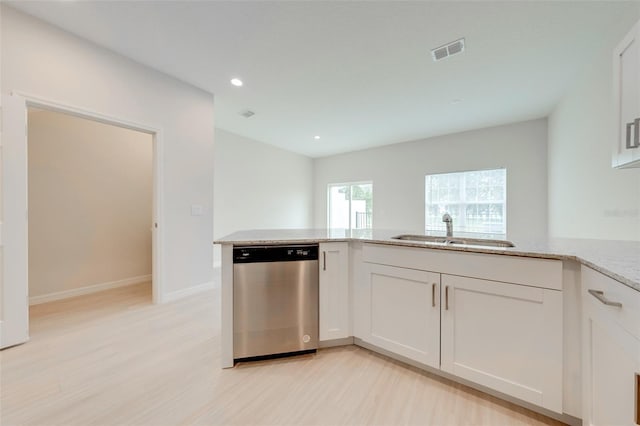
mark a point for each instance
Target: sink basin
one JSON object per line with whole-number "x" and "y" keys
{"x": 425, "y": 238}
{"x": 480, "y": 242}
{"x": 455, "y": 241}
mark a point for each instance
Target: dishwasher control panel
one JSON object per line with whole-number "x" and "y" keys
{"x": 291, "y": 253}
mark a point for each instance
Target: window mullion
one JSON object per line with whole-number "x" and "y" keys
{"x": 463, "y": 202}
{"x": 350, "y": 207}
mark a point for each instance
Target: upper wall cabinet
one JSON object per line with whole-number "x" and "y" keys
{"x": 626, "y": 89}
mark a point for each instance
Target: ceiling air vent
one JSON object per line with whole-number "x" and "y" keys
{"x": 449, "y": 49}
{"x": 247, "y": 114}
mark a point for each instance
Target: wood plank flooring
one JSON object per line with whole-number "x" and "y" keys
{"x": 113, "y": 358}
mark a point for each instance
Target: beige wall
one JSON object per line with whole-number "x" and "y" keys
{"x": 398, "y": 173}
{"x": 90, "y": 203}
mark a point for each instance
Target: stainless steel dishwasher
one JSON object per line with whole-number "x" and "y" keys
{"x": 275, "y": 300}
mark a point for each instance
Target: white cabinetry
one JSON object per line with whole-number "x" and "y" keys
{"x": 403, "y": 310}
{"x": 507, "y": 337}
{"x": 611, "y": 351}
{"x": 626, "y": 89}
{"x": 334, "y": 291}
{"x": 493, "y": 320}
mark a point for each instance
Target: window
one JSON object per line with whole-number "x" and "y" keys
{"x": 476, "y": 200}
{"x": 350, "y": 205}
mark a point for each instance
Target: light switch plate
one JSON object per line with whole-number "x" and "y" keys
{"x": 197, "y": 210}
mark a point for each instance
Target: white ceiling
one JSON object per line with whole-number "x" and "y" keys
{"x": 359, "y": 74}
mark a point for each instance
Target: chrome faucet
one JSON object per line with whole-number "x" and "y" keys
{"x": 446, "y": 218}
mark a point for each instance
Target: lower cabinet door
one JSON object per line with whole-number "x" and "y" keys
{"x": 404, "y": 312}
{"x": 612, "y": 376}
{"x": 507, "y": 337}
{"x": 334, "y": 291}
{"x": 611, "y": 356}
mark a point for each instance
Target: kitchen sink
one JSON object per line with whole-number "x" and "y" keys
{"x": 455, "y": 241}
{"x": 480, "y": 242}
{"x": 425, "y": 238}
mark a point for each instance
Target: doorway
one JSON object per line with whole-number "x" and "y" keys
{"x": 90, "y": 187}
{"x": 14, "y": 307}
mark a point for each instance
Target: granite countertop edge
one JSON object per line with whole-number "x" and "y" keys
{"x": 565, "y": 251}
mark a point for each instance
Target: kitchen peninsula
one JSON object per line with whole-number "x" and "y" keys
{"x": 619, "y": 260}
{"x": 506, "y": 320}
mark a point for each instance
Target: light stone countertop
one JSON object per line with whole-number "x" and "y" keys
{"x": 619, "y": 260}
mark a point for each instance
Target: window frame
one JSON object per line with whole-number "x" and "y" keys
{"x": 463, "y": 203}
{"x": 350, "y": 185}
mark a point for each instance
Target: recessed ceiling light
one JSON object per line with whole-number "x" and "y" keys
{"x": 236, "y": 82}
{"x": 316, "y": 137}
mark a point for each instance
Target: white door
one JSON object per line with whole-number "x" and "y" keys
{"x": 404, "y": 312}
{"x": 507, "y": 337}
{"x": 14, "y": 328}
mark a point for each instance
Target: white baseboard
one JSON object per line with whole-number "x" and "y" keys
{"x": 36, "y": 300}
{"x": 179, "y": 294}
{"x": 335, "y": 342}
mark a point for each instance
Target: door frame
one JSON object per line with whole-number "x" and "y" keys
{"x": 15, "y": 205}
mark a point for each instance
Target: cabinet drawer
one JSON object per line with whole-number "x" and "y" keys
{"x": 627, "y": 315}
{"x": 543, "y": 273}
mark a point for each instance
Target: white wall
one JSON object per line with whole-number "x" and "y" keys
{"x": 587, "y": 198}
{"x": 259, "y": 186}
{"x": 398, "y": 172}
{"x": 43, "y": 61}
{"x": 1, "y": 198}
{"x": 90, "y": 203}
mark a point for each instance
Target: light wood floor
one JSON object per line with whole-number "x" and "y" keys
{"x": 114, "y": 358}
